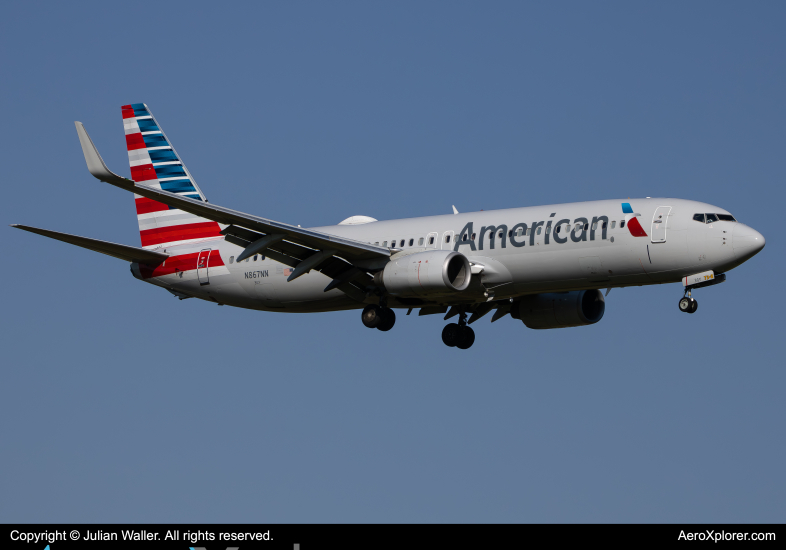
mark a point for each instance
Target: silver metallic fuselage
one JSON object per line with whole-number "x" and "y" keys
{"x": 512, "y": 265}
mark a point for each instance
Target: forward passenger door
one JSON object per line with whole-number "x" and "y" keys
{"x": 659, "y": 222}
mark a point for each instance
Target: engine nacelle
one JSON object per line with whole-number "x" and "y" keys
{"x": 560, "y": 309}
{"x": 431, "y": 273}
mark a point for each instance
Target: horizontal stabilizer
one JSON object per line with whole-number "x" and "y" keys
{"x": 121, "y": 251}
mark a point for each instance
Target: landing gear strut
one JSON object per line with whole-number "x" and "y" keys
{"x": 380, "y": 318}
{"x": 687, "y": 303}
{"x": 458, "y": 335}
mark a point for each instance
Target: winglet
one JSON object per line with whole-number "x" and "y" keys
{"x": 95, "y": 164}
{"x": 454, "y": 207}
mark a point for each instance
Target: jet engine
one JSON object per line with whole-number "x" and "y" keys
{"x": 560, "y": 309}
{"x": 431, "y": 273}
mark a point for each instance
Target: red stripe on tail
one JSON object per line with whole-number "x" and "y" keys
{"x": 179, "y": 233}
{"x": 143, "y": 173}
{"x": 135, "y": 141}
{"x": 145, "y": 206}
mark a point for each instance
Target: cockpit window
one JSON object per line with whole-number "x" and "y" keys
{"x": 713, "y": 218}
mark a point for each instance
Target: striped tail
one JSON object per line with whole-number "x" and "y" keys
{"x": 155, "y": 163}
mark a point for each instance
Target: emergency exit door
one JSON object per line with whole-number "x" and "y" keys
{"x": 202, "y": 266}
{"x": 659, "y": 222}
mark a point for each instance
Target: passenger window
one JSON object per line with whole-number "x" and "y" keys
{"x": 500, "y": 234}
{"x": 411, "y": 242}
{"x": 401, "y": 244}
{"x": 255, "y": 257}
{"x": 519, "y": 231}
{"x": 473, "y": 236}
{"x": 261, "y": 257}
{"x": 447, "y": 238}
{"x": 711, "y": 218}
{"x": 246, "y": 260}
{"x": 586, "y": 226}
{"x": 377, "y": 243}
{"x": 465, "y": 237}
{"x": 528, "y": 231}
{"x": 614, "y": 224}
{"x": 539, "y": 228}
{"x": 548, "y": 230}
{"x": 510, "y": 234}
{"x": 604, "y": 225}
{"x": 231, "y": 259}
{"x": 384, "y": 243}
{"x": 594, "y": 226}
{"x": 420, "y": 241}
{"x": 431, "y": 240}
{"x": 699, "y": 218}
{"x": 622, "y": 224}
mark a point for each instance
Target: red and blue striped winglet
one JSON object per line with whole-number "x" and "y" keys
{"x": 154, "y": 162}
{"x": 632, "y": 221}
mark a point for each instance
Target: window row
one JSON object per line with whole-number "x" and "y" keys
{"x": 403, "y": 242}
{"x": 260, "y": 257}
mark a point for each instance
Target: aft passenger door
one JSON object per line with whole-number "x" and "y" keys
{"x": 659, "y": 222}
{"x": 202, "y": 265}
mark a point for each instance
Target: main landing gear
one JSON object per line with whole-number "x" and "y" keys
{"x": 688, "y": 304}
{"x": 380, "y": 318}
{"x": 458, "y": 335}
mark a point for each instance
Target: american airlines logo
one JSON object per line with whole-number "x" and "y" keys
{"x": 633, "y": 222}
{"x": 577, "y": 230}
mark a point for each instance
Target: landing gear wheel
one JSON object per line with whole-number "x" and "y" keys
{"x": 388, "y": 319}
{"x": 688, "y": 305}
{"x": 372, "y": 316}
{"x": 451, "y": 335}
{"x": 466, "y": 338}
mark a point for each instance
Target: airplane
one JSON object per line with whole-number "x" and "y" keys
{"x": 542, "y": 265}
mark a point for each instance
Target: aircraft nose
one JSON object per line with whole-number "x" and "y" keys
{"x": 747, "y": 242}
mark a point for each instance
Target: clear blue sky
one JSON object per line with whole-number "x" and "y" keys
{"x": 120, "y": 403}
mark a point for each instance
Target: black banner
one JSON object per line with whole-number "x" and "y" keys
{"x": 313, "y": 537}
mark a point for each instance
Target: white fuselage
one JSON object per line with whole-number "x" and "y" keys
{"x": 518, "y": 250}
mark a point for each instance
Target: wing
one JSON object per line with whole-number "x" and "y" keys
{"x": 121, "y": 251}
{"x": 355, "y": 252}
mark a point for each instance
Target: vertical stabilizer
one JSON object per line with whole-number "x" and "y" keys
{"x": 155, "y": 163}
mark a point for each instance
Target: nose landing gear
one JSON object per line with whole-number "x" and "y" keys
{"x": 688, "y": 304}
{"x": 458, "y": 335}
